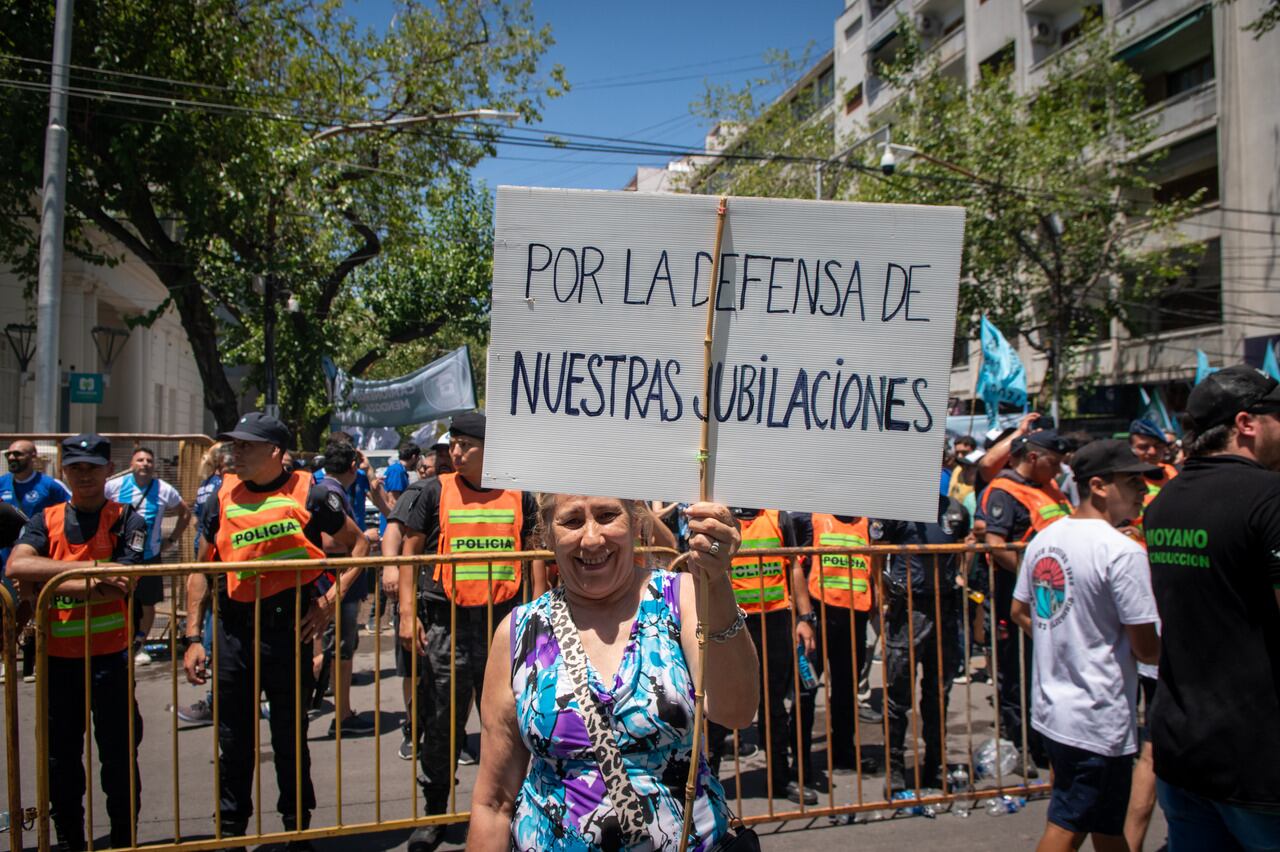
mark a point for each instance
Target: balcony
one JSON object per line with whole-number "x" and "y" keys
{"x": 949, "y": 48}
{"x": 1049, "y": 8}
{"x": 884, "y": 22}
{"x": 1185, "y": 114}
{"x": 1146, "y": 17}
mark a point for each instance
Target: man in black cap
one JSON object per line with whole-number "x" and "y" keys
{"x": 448, "y": 515}
{"x": 1084, "y": 593}
{"x": 1213, "y": 539}
{"x": 1023, "y": 500}
{"x": 265, "y": 512}
{"x": 87, "y": 615}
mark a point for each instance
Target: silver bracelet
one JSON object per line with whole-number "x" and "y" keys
{"x": 729, "y": 632}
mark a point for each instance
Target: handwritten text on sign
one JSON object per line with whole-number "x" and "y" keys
{"x": 833, "y": 340}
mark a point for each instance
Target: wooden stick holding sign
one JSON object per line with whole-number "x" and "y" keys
{"x": 704, "y": 494}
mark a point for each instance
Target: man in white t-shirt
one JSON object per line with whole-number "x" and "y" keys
{"x": 153, "y": 498}
{"x": 1084, "y": 595}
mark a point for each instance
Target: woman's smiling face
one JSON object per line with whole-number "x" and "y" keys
{"x": 593, "y": 542}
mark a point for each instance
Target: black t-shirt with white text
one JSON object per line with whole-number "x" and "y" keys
{"x": 1213, "y": 540}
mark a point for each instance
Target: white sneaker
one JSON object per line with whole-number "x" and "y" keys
{"x": 142, "y": 658}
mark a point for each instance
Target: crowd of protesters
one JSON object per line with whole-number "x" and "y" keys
{"x": 1149, "y": 589}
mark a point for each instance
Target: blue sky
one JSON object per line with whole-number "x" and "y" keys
{"x": 614, "y": 53}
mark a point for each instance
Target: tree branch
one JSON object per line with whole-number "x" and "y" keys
{"x": 353, "y": 261}
{"x": 369, "y": 358}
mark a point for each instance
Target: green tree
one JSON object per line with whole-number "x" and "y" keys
{"x": 1061, "y": 232}
{"x": 197, "y": 144}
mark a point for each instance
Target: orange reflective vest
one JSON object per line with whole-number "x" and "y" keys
{"x": 841, "y": 579}
{"x": 476, "y": 522}
{"x": 108, "y": 633}
{"x": 760, "y": 583}
{"x": 255, "y": 525}
{"x": 1154, "y": 486}
{"x": 1046, "y": 504}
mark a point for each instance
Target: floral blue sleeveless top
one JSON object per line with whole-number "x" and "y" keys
{"x": 563, "y": 804}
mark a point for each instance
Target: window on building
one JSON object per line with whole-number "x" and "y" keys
{"x": 826, "y": 90}
{"x": 999, "y": 62}
{"x": 1073, "y": 31}
{"x": 853, "y": 29}
{"x": 960, "y": 351}
{"x": 1175, "y": 59}
{"x": 1188, "y": 167}
{"x": 1192, "y": 299}
{"x": 853, "y": 99}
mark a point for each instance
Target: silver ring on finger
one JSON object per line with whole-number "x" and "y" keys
{"x": 715, "y": 547}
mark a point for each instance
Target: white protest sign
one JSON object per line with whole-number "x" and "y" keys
{"x": 831, "y": 360}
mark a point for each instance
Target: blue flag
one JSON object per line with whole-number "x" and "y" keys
{"x": 1154, "y": 410}
{"x": 1269, "y": 365}
{"x": 1202, "y": 367}
{"x": 1002, "y": 378}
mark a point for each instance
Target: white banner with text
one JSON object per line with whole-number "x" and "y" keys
{"x": 830, "y": 367}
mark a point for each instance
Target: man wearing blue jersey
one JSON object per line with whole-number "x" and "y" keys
{"x": 30, "y": 492}
{"x": 153, "y": 498}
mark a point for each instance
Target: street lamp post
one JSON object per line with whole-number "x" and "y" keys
{"x": 53, "y": 206}
{"x": 22, "y": 341}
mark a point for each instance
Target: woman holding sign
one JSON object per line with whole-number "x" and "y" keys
{"x": 597, "y": 688}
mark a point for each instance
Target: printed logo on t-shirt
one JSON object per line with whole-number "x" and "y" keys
{"x": 1049, "y": 580}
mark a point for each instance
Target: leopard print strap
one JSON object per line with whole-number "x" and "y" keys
{"x": 629, "y": 807}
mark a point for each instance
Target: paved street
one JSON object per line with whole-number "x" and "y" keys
{"x": 190, "y": 784}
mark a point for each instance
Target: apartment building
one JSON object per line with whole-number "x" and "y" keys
{"x": 1211, "y": 89}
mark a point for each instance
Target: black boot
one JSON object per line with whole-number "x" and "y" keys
{"x": 70, "y": 838}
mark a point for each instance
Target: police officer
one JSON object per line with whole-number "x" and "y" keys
{"x": 87, "y": 529}
{"x": 1018, "y": 503}
{"x": 1213, "y": 541}
{"x": 447, "y": 515}
{"x": 264, "y": 511}
{"x": 840, "y": 590}
{"x": 1148, "y": 442}
{"x": 912, "y": 632}
{"x": 765, "y": 588}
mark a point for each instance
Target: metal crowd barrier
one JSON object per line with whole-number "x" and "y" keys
{"x": 862, "y": 796}
{"x": 12, "y": 763}
{"x": 174, "y": 831}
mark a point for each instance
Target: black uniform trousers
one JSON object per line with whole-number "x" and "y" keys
{"x": 1014, "y": 676}
{"x": 779, "y": 652}
{"x": 109, "y": 682}
{"x": 843, "y": 641}
{"x": 283, "y": 661}
{"x": 913, "y": 636}
{"x": 469, "y": 651}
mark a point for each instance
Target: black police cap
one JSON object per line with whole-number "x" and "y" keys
{"x": 1046, "y": 439}
{"x": 256, "y": 426}
{"x": 88, "y": 448}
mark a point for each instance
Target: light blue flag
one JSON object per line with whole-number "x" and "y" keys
{"x": 1269, "y": 365}
{"x": 1154, "y": 410}
{"x": 1003, "y": 378}
{"x": 1202, "y": 367}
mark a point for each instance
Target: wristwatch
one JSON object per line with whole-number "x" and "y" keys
{"x": 810, "y": 618}
{"x": 188, "y": 641}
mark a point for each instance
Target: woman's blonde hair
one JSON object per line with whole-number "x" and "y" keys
{"x": 215, "y": 457}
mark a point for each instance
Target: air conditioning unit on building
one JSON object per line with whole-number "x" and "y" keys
{"x": 927, "y": 25}
{"x": 1043, "y": 32}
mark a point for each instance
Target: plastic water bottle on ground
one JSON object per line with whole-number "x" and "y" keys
{"x": 1005, "y": 805}
{"x": 930, "y": 810}
{"x": 985, "y": 758}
